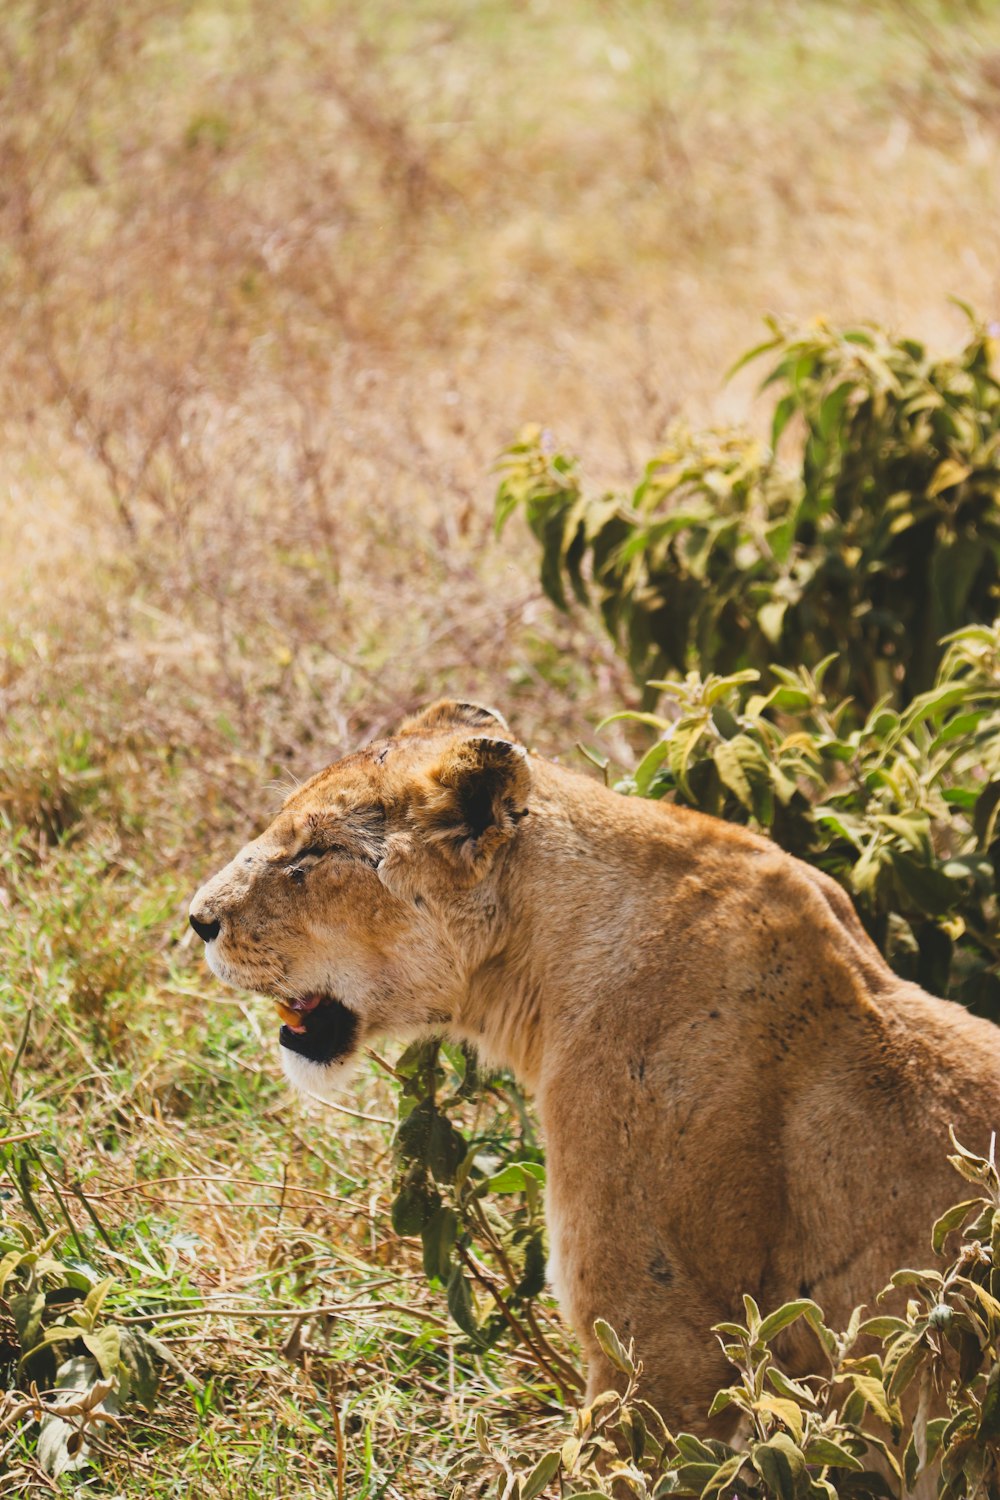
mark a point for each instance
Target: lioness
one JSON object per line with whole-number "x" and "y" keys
{"x": 737, "y": 1093}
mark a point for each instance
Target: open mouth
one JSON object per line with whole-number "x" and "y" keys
{"x": 318, "y": 1027}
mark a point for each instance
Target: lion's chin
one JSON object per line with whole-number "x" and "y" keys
{"x": 320, "y": 1080}
{"x": 319, "y": 1053}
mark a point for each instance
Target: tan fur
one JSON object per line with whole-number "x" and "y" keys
{"x": 737, "y": 1093}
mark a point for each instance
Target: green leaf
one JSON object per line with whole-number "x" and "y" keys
{"x": 951, "y": 1219}
{"x": 26, "y": 1308}
{"x": 730, "y": 1395}
{"x": 60, "y": 1333}
{"x": 989, "y": 1417}
{"x": 414, "y": 1206}
{"x": 544, "y": 1471}
{"x": 948, "y": 473}
{"x": 694, "y": 1450}
{"x": 902, "y": 1360}
{"x": 10, "y": 1263}
{"x": 446, "y": 1148}
{"x": 781, "y": 1464}
{"x": 461, "y": 1306}
{"x": 724, "y": 1475}
{"x": 105, "y": 1345}
{"x": 784, "y": 1316}
{"x": 512, "y": 1179}
{"x": 793, "y": 1389}
{"x": 823, "y": 1450}
{"x": 873, "y": 1392}
{"x": 883, "y": 1327}
{"x": 786, "y": 1411}
{"x": 141, "y": 1369}
{"x": 613, "y": 1347}
{"x": 783, "y": 412}
{"x": 649, "y": 765}
{"x": 688, "y": 1478}
{"x": 438, "y": 1235}
{"x": 983, "y": 822}
{"x": 771, "y": 618}
{"x": 95, "y": 1299}
{"x": 632, "y": 1425}
{"x": 989, "y": 1303}
{"x": 751, "y": 354}
{"x": 744, "y": 769}
{"x": 831, "y": 409}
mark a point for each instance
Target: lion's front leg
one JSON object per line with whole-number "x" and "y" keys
{"x": 597, "y": 1271}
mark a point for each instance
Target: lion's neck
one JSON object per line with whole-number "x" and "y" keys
{"x": 606, "y": 904}
{"x": 570, "y": 897}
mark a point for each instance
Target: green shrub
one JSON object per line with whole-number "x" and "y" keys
{"x": 881, "y": 538}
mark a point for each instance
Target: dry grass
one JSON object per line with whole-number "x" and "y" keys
{"x": 276, "y": 283}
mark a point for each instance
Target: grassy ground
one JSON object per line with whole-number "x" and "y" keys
{"x": 276, "y": 283}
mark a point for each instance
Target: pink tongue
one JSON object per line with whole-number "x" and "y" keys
{"x": 303, "y": 1006}
{"x": 306, "y": 1004}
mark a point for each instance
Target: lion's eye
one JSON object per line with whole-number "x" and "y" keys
{"x": 313, "y": 852}
{"x": 306, "y": 858}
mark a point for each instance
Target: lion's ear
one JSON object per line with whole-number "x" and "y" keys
{"x": 478, "y": 794}
{"x": 447, "y": 713}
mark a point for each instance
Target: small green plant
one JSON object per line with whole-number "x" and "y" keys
{"x": 477, "y": 1206}
{"x": 843, "y": 1432}
{"x": 73, "y": 1366}
{"x": 882, "y": 537}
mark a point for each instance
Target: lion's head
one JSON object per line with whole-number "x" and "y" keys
{"x": 366, "y": 905}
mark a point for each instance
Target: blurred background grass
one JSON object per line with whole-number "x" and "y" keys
{"x": 276, "y": 284}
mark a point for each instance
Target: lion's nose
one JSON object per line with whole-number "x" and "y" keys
{"x": 205, "y": 930}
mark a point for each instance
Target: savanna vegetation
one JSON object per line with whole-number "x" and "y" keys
{"x": 276, "y": 287}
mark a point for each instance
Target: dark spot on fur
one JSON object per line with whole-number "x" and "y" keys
{"x": 805, "y": 1289}
{"x": 637, "y": 1068}
{"x": 660, "y": 1269}
{"x": 713, "y": 1015}
{"x": 419, "y": 902}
